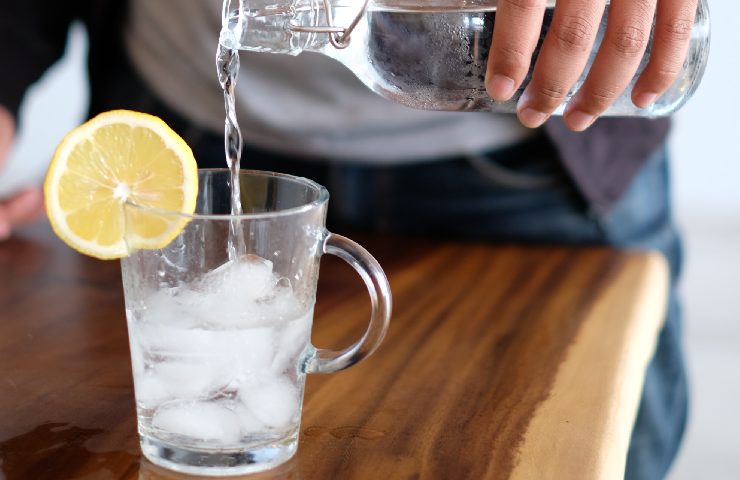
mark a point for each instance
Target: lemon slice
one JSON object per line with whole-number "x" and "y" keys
{"x": 116, "y": 157}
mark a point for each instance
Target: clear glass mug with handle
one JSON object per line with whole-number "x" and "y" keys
{"x": 220, "y": 345}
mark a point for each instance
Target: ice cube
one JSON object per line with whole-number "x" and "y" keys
{"x": 193, "y": 379}
{"x": 273, "y": 402}
{"x": 251, "y": 276}
{"x": 279, "y": 304}
{"x": 137, "y": 354}
{"x": 249, "y": 424}
{"x": 292, "y": 340}
{"x": 216, "y": 353}
{"x": 162, "y": 312}
{"x": 234, "y": 295}
{"x": 230, "y": 295}
{"x": 221, "y": 333}
{"x": 149, "y": 390}
{"x": 213, "y": 422}
{"x": 252, "y": 348}
{"x": 161, "y": 339}
{"x": 194, "y": 362}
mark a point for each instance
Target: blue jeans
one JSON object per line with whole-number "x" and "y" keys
{"x": 519, "y": 194}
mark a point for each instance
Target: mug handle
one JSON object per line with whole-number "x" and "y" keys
{"x": 328, "y": 361}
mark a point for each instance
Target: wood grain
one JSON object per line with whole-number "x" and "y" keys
{"x": 501, "y": 362}
{"x": 596, "y": 391}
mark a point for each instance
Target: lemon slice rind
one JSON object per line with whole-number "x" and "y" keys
{"x": 169, "y": 225}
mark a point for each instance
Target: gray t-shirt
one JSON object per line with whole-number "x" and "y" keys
{"x": 309, "y": 104}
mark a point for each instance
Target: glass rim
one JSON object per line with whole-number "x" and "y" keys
{"x": 322, "y": 198}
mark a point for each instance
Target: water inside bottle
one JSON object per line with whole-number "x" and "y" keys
{"x": 436, "y": 58}
{"x": 439, "y": 56}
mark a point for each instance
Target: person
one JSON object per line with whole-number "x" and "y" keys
{"x": 529, "y": 178}
{"x": 26, "y": 205}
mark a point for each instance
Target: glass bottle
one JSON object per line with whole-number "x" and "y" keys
{"x": 429, "y": 57}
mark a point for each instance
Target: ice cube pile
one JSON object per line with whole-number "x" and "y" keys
{"x": 217, "y": 361}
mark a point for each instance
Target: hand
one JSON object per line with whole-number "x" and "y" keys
{"x": 22, "y": 207}
{"x": 566, "y": 49}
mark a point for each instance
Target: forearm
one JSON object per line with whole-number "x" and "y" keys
{"x": 7, "y": 132}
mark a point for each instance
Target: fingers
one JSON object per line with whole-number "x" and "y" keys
{"x": 672, "y": 34}
{"x": 24, "y": 207}
{"x": 5, "y": 229}
{"x": 562, "y": 59}
{"x": 515, "y": 35}
{"x": 568, "y": 45}
{"x": 626, "y": 38}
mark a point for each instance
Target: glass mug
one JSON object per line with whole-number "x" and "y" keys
{"x": 220, "y": 347}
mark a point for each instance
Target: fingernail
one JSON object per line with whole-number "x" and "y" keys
{"x": 501, "y": 88}
{"x": 580, "y": 121}
{"x": 532, "y": 118}
{"x": 645, "y": 99}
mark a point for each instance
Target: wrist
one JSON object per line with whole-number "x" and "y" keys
{"x": 7, "y": 132}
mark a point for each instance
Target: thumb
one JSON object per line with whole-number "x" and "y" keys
{"x": 7, "y": 132}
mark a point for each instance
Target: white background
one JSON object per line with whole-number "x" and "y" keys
{"x": 706, "y": 159}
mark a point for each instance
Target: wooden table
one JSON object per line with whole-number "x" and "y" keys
{"x": 501, "y": 362}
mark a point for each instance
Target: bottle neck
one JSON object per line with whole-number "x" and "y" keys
{"x": 288, "y": 28}
{"x": 291, "y": 27}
